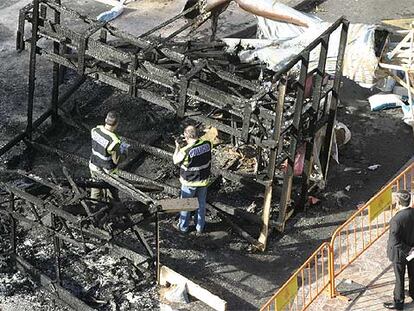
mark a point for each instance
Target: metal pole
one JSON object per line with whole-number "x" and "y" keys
{"x": 32, "y": 69}
{"x": 332, "y": 290}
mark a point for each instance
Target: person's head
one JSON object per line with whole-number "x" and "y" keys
{"x": 190, "y": 133}
{"x": 403, "y": 198}
{"x": 111, "y": 120}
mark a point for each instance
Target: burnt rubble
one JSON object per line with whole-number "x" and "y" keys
{"x": 96, "y": 254}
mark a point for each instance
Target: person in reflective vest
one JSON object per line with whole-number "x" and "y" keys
{"x": 107, "y": 153}
{"x": 195, "y": 167}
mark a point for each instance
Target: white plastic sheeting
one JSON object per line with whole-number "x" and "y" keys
{"x": 278, "y": 42}
{"x": 112, "y": 13}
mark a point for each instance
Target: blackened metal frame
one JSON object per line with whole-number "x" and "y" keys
{"x": 176, "y": 74}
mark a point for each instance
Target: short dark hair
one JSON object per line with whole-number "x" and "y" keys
{"x": 404, "y": 198}
{"x": 111, "y": 118}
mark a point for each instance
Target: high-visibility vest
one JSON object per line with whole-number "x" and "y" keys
{"x": 196, "y": 166}
{"x": 103, "y": 145}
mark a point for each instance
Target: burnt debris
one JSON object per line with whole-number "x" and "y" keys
{"x": 276, "y": 112}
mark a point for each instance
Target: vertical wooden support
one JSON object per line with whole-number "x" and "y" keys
{"x": 62, "y": 69}
{"x": 13, "y": 239}
{"x": 43, "y": 11}
{"x": 313, "y": 119}
{"x": 288, "y": 176}
{"x": 182, "y": 103}
{"x": 247, "y": 113}
{"x": 233, "y": 124}
{"x": 157, "y": 246}
{"x": 56, "y": 74}
{"x": 277, "y": 125}
{"x": 326, "y": 151}
{"x": 184, "y": 82}
{"x": 133, "y": 76}
{"x": 32, "y": 69}
{"x": 20, "y": 30}
{"x": 103, "y": 35}
{"x": 214, "y": 21}
{"x": 57, "y": 247}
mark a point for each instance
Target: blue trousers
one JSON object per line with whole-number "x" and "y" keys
{"x": 200, "y": 213}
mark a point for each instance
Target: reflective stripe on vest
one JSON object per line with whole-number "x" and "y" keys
{"x": 103, "y": 143}
{"x": 195, "y": 169}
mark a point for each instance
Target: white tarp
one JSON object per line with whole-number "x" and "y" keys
{"x": 278, "y": 42}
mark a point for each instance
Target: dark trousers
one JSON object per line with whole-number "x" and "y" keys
{"x": 110, "y": 193}
{"x": 399, "y": 271}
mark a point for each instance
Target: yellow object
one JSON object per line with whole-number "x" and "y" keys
{"x": 404, "y": 23}
{"x": 286, "y": 294}
{"x": 212, "y": 136}
{"x": 380, "y": 203}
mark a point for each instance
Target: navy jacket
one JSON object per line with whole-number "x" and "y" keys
{"x": 401, "y": 238}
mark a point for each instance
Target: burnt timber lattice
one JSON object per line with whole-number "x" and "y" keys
{"x": 194, "y": 79}
{"x": 142, "y": 67}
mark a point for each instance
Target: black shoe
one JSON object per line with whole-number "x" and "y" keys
{"x": 394, "y": 305}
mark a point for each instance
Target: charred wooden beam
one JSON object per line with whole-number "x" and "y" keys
{"x": 235, "y": 227}
{"x": 137, "y": 151}
{"x": 129, "y": 176}
{"x": 126, "y": 188}
{"x": 35, "y": 178}
{"x": 36, "y": 224}
{"x": 77, "y": 191}
{"x": 78, "y": 82}
{"x": 236, "y": 212}
{"x": 43, "y": 280}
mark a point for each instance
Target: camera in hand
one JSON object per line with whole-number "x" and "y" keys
{"x": 179, "y": 139}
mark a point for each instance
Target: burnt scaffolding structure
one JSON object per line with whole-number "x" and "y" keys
{"x": 63, "y": 210}
{"x": 194, "y": 79}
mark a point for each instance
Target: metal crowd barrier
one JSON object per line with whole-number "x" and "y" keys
{"x": 305, "y": 285}
{"x": 365, "y": 226}
{"x": 348, "y": 242}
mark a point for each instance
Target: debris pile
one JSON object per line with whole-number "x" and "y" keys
{"x": 264, "y": 119}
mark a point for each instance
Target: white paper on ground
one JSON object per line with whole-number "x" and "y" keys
{"x": 384, "y": 101}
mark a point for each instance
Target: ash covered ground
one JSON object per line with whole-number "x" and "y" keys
{"x": 220, "y": 260}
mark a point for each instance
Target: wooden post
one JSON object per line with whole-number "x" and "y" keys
{"x": 277, "y": 125}
{"x": 56, "y": 74}
{"x": 57, "y": 247}
{"x": 288, "y": 176}
{"x": 32, "y": 69}
{"x": 13, "y": 240}
{"x": 326, "y": 152}
{"x": 314, "y": 116}
{"x": 157, "y": 246}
